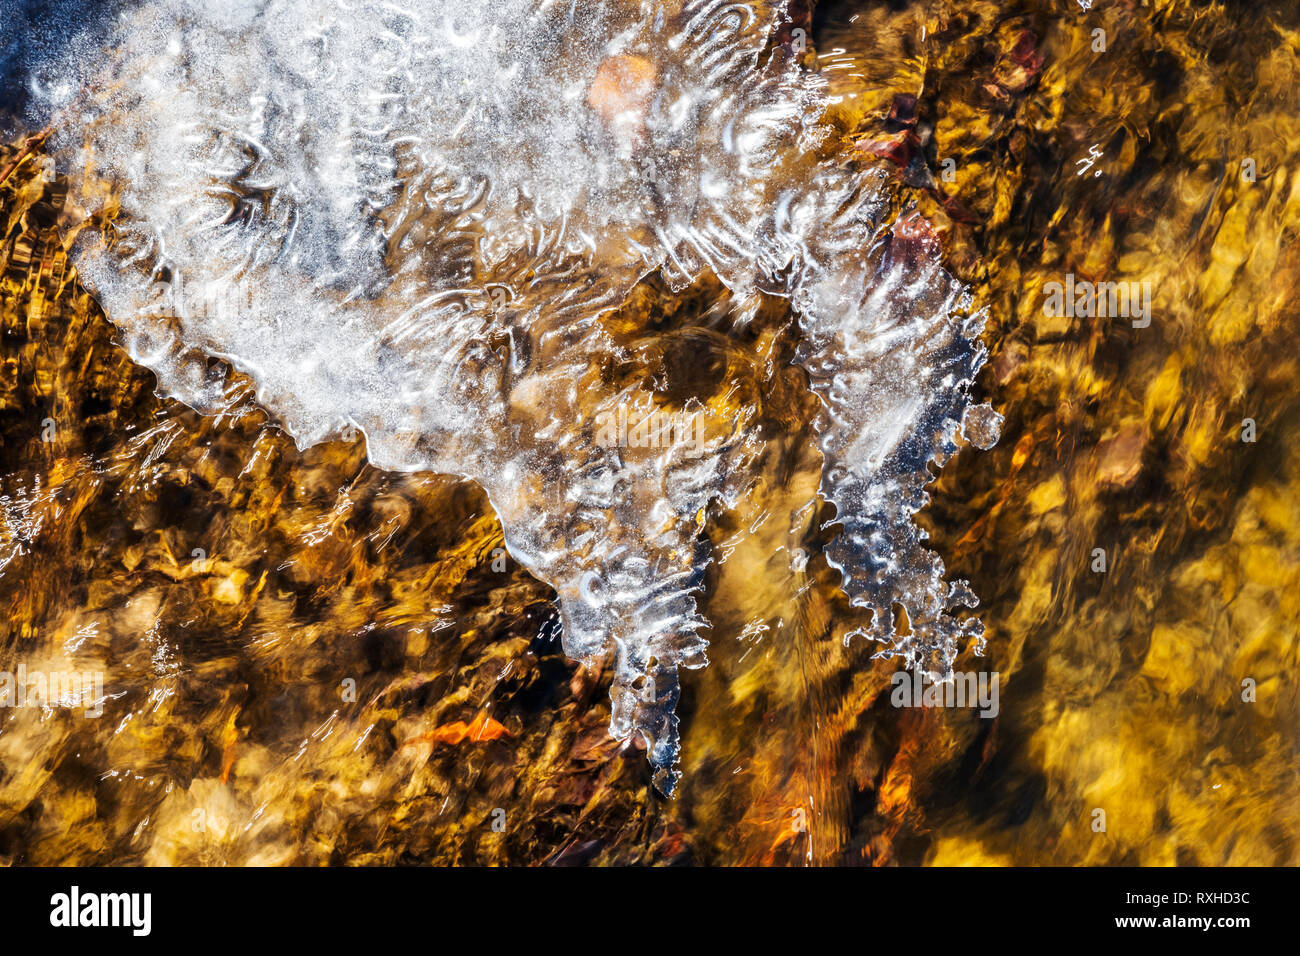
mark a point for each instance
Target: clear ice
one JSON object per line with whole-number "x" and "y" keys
{"x": 408, "y": 217}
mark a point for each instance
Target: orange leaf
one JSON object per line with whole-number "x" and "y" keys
{"x": 483, "y": 727}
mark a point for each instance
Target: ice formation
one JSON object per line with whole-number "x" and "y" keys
{"x": 408, "y": 217}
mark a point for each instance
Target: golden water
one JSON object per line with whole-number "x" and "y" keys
{"x": 472, "y": 739}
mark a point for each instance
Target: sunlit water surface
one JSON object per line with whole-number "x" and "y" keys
{"x": 316, "y": 649}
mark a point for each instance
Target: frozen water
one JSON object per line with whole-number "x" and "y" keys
{"x": 409, "y": 217}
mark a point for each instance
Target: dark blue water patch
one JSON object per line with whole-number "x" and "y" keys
{"x": 38, "y": 38}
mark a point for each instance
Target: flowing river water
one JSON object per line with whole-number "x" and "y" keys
{"x": 370, "y": 562}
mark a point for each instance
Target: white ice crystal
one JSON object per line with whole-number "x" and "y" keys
{"x": 409, "y": 216}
